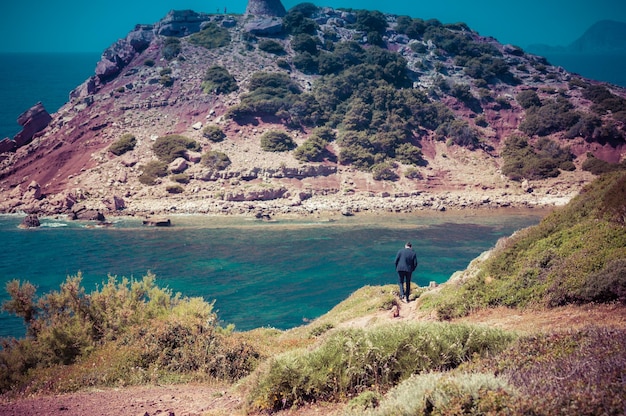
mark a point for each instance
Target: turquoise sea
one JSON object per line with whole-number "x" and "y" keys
{"x": 279, "y": 274}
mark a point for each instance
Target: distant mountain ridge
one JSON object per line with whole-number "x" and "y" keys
{"x": 603, "y": 37}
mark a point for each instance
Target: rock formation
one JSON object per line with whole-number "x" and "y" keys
{"x": 265, "y": 8}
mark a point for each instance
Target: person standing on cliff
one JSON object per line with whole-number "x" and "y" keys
{"x": 406, "y": 263}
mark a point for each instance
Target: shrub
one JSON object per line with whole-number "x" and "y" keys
{"x": 384, "y": 172}
{"x": 520, "y": 160}
{"x": 409, "y": 154}
{"x": 312, "y": 150}
{"x": 124, "y": 144}
{"x": 297, "y": 21}
{"x": 167, "y": 148}
{"x": 213, "y": 133}
{"x": 126, "y": 332}
{"x": 271, "y": 46}
{"x": 527, "y": 99}
{"x": 211, "y": 36}
{"x": 218, "y": 80}
{"x": 549, "y": 118}
{"x": 277, "y": 141}
{"x": 171, "y": 48}
{"x": 151, "y": 171}
{"x": 350, "y": 361}
{"x": 216, "y": 160}
{"x": 174, "y": 189}
{"x": 180, "y": 178}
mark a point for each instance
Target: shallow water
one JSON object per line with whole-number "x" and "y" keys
{"x": 278, "y": 274}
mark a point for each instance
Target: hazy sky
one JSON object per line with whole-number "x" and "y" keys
{"x": 84, "y": 26}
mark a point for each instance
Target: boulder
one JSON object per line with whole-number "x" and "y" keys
{"x": 33, "y": 121}
{"x": 267, "y": 26}
{"x": 7, "y": 145}
{"x": 157, "y": 222}
{"x": 181, "y": 23}
{"x": 114, "y": 203}
{"x": 179, "y": 165}
{"x": 31, "y": 221}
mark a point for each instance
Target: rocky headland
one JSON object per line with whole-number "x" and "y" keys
{"x": 61, "y": 164}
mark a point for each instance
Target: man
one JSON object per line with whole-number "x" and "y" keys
{"x": 406, "y": 263}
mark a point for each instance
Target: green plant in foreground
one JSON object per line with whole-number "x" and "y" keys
{"x": 277, "y": 141}
{"x": 351, "y": 361}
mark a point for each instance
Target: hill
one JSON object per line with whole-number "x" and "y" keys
{"x": 318, "y": 110}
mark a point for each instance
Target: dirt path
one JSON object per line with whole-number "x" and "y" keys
{"x": 203, "y": 400}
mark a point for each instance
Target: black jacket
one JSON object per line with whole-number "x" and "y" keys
{"x": 406, "y": 260}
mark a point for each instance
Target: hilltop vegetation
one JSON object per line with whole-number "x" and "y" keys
{"x": 132, "y": 332}
{"x": 410, "y": 107}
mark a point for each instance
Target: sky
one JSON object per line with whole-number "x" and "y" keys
{"x": 84, "y": 26}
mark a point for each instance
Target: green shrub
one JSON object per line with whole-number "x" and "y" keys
{"x": 216, "y": 160}
{"x": 218, "y": 80}
{"x": 168, "y": 148}
{"x": 171, "y": 48}
{"x": 521, "y": 160}
{"x": 527, "y": 99}
{"x": 598, "y": 166}
{"x": 550, "y": 117}
{"x": 312, "y": 150}
{"x": 174, "y": 189}
{"x": 213, "y": 133}
{"x": 271, "y": 46}
{"x": 151, "y": 171}
{"x": 410, "y": 154}
{"x": 124, "y": 144}
{"x": 211, "y": 36}
{"x": 442, "y": 394}
{"x": 297, "y": 21}
{"x": 413, "y": 173}
{"x": 125, "y": 332}
{"x": 384, "y": 172}
{"x": 350, "y": 361}
{"x": 180, "y": 178}
{"x": 277, "y": 141}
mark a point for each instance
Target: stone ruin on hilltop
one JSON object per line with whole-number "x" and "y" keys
{"x": 265, "y": 8}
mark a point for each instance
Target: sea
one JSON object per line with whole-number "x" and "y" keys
{"x": 278, "y": 274}
{"x": 27, "y": 78}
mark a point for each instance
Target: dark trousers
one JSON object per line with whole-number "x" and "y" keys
{"x": 404, "y": 278}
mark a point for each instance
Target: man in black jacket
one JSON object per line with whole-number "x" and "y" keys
{"x": 406, "y": 263}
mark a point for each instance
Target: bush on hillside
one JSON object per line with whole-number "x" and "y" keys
{"x": 168, "y": 148}
{"x": 277, "y": 141}
{"x": 216, "y": 160}
{"x": 523, "y": 161}
{"x": 124, "y": 144}
{"x": 557, "y": 262}
{"x": 271, "y": 46}
{"x": 211, "y": 36}
{"x": 151, "y": 171}
{"x": 218, "y": 80}
{"x": 213, "y": 133}
{"x": 550, "y": 117}
{"x": 171, "y": 48}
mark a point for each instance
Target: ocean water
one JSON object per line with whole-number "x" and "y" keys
{"x": 28, "y": 78}
{"x": 608, "y": 68}
{"x": 278, "y": 274}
